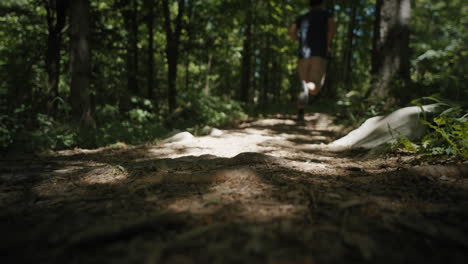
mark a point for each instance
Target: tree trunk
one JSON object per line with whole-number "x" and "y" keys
{"x": 172, "y": 49}
{"x": 390, "y": 55}
{"x": 208, "y": 72}
{"x": 134, "y": 47}
{"x": 246, "y": 70}
{"x": 188, "y": 42}
{"x": 265, "y": 72}
{"x": 80, "y": 63}
{"x": 332, "y": 79}
{"x": 129, "y": 14}
{"x": 56, "y": 17}
{"x": 348, "y": 53}
{"x": 277, "y": 80}
{"x": 150, "y": 25}
{"x": 266, "y": 60}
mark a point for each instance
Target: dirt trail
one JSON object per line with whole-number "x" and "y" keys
{"x": 266, "y": 192}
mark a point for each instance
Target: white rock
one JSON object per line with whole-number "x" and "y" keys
{"x": 444, "y": 178}
{"x": 380, "y": 130}
{"x": 182, "y": 137}
{"x": 211, "y": 131}
{"x": 216, "y": 132}
{"x": 206, "y": 130}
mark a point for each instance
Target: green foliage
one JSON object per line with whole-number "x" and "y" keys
{"x": 136, "y": 126}
{"x": 50, "y": 134}
{"x": 22, "y": 40}
{"x": 10, "y": 125}
{"x": 210, "y": 60}
{"x": 441, "y": 58}
{"x": 34, "y": 132}
{"x": 354, "y": 108}
{"x": 448, "y": 134}
{"x": 200, "y": 110}
{"x": 406, "y": 144}
{"x": 38, "y": 132}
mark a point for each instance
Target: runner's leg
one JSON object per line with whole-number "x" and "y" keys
{"x": 303, "y": 97}
{"x": 317, "y": 68}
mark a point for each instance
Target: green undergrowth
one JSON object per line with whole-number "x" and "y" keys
{"x": 318, "y": 105}
{"x": 24, "y": 130}
{"x": 198, "y": 110}
{"x": 448, "y": 131}
{"x": 353, "y": 108}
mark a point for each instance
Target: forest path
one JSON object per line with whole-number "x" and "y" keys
{"x": 268, "y": 191}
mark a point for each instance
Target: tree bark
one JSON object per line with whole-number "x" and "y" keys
{"x": 246, "y": 70}
{"x": 348, "y": 53}
{"x": 266, "y": 60}
{"x": 80, "y": 63}
{"x": 150, "y": 25}
{"x": 332, "y": 79}
{"x": 129, "y": 13}
{"x": 172, "y": 49}
{"x": 208, "y": 72}
{"x": 56, "y": 17}
{"x": 265, "y": 72}
{"x": 390, "y": 56}
{"x": 188, "y": 43}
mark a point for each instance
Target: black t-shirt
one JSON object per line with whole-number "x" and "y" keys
{"x": 312, "y": 32}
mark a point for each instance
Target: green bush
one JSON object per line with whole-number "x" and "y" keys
{"x": 34, "y": 132}
{"x": 354, "y": 108}
{"x": 24, "y": 130}
{"x": 448, "y": 134}
{"x": 10, "y": 125}
{"x": 138, "y": 125}
{"x": 200, "y": 110}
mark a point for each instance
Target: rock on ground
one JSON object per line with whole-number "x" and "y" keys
{"x": 211, "y": 131}
{"x": 379, "y": 130}
{"x": 182, "y": 137}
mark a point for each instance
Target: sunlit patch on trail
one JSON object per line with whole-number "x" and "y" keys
{"x": 238, "y": 192}
{"x": 105, "y": 175}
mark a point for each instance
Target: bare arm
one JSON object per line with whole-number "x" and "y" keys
{"x": 331, "y": 32}
{"x": 293, "y": 32}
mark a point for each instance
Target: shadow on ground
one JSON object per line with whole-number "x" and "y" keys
{"x": 125, "y": 206}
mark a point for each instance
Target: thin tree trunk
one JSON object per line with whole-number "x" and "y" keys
{"x": 208, "y": 72}
{"x": 277, "y": 80}
{"x": 56, "y": 16}
{"x": 188, "y": 43}
{"x": 266, "y": 61}
{"x": 390, "y": 56}
{"x": 333, "y": 70}
{"x": 172, "y": 49}
{"x": 246, "y": 59}
{"x": 265, "y": 72}
{"x": 150, "y": 25}
{"x": 129, "y": 14}
{"x": 134, "y": 47}
{"x": 80, "y": 63}
{"x": 187, "y": 72}
{"x": 348, "y": 54}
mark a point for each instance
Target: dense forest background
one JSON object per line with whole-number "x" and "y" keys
{"x": 93, "y": 73}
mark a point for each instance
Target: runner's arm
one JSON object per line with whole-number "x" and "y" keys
{"x": 293, "y": 31}
{"x": 331, "y": 32}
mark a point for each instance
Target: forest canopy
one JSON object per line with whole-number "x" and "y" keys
{"x": 93, "y": 73}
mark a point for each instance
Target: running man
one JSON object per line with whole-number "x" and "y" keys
{"x": 315, "y": 31}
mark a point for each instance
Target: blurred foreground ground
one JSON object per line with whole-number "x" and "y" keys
{"x": 266, "y": 192}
